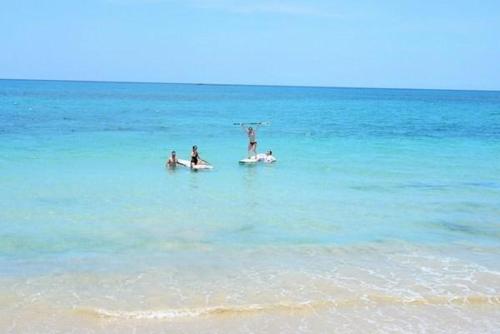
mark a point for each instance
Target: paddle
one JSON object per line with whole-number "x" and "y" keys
{"x": 252, "y": 123}
{"x": 206, "y": 162}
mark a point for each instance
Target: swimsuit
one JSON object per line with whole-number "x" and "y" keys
{"x": 251, "y": 138}
{"x": 194, "y": 159}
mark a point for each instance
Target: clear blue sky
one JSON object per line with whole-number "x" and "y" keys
{"x": 421, "y": 44}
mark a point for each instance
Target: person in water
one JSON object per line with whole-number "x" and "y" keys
{"x": 267, "y": 157}
{"x": 195, "y": 157}
{"x": 252, "y": 141}
{"x": 172, "y": 161}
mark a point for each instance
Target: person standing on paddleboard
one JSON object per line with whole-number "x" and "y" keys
{"x": 252, "y": 141}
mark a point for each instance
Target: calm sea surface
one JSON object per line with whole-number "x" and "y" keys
{"x": 382, "y": 213}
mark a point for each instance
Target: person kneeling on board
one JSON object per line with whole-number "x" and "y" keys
{"x": 195, "y": 157}
{"x": 267, "y": 157}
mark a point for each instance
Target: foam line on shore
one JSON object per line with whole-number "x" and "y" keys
{"x": 180, "y": 313}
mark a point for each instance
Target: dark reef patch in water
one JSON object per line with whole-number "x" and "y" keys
{"x": 425, "y": 186}
{"x": 467, "y": 228}
{"x": 482, "y": 184}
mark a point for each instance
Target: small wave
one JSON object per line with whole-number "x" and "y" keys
{"x": 182, "y": 313}
{"x": 196, "y": 312}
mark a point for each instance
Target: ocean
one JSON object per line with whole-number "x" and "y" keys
{"x": 381, "y": 214}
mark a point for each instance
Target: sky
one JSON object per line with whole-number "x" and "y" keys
{"x": 400, "y": 44}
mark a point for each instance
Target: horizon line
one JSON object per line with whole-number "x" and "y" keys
{"x": 247, "y": 84}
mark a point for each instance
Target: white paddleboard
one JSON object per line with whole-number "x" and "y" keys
{"x": 187, "y": 163}
{"x": 248, "y": 161}
{"x": 270, "y": 160}
{"x": 260, "y": 158}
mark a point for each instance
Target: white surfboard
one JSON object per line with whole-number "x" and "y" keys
{"x": 187, "y": 163}
{"x": 248, "y": 161}
{"x": 262, "y": 158}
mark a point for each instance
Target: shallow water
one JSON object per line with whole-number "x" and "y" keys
{"x": 381, "y": 214}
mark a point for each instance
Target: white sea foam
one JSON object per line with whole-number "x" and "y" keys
{"x": 239, "y": 310}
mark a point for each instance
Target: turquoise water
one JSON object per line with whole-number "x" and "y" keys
{"x": 362, "y": 175}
